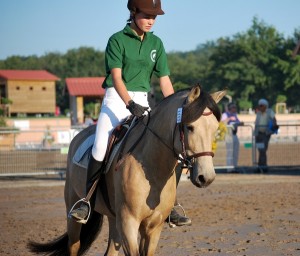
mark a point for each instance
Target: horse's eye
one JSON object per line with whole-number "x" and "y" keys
{"x": 190, "y": 128}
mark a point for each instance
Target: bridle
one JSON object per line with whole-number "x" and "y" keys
{"x": 185, "y": 159}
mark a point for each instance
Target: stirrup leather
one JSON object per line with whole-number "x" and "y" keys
{"x": 83, "y": 200}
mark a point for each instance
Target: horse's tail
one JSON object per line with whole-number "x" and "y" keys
{"x": 59, "y": 246}
{"x": 90, "y": 231}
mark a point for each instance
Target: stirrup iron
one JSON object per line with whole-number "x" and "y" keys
{"x": 84, "y": 201}
{"x": 171, "y": 225}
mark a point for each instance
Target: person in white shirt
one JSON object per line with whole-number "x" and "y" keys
{"x": 265, "y": 126}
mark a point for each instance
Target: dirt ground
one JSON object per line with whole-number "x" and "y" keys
{"x": 239, "y": 214}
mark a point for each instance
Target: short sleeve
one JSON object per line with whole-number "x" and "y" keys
{"x": 161, "y": 67}
{"x": 113, "y": 54}
{"x": 271, "y": 113}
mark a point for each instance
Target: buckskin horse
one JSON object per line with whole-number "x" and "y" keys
{"x": 138, "y": 192}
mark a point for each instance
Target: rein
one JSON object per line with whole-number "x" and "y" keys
{"x": 186, "y": 160}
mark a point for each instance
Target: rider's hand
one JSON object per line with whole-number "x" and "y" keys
{"x": 136, "y": 109}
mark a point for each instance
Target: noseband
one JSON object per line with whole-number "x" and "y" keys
{"x": 188, "y": 160}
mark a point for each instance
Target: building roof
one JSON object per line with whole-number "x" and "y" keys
{"x": 28, "y": 75}
{"x": 85, "y": 86}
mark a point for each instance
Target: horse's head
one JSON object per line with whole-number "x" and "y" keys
{"x": 200, "y": 121}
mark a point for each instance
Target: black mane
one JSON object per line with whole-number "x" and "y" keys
{"x": 194, "y": 110}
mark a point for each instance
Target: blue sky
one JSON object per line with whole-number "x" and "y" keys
{"x": 37, "y": 27}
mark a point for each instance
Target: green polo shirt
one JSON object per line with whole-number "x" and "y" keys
{"x": 137, "y": 59}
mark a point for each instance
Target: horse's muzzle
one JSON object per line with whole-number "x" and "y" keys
{"x": 204, "y": 179}
{"x": 200, "y": 182}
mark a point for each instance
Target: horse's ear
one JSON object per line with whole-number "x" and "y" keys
{"x": 194, "y": 94}
{"x": 217, "y": 96}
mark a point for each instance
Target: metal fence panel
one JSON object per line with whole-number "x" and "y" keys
{"x": 34, "y": 152}
{"x": 44, "y": 151}
{"x": 284, "y": 147}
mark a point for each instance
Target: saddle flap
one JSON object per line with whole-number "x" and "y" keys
{"x": 83, "y": 152}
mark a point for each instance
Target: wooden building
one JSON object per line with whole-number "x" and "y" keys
{"x": 31, "y": 91}
{"x": 80, "y": 89}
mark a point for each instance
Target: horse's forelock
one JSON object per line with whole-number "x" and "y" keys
{"x": 192, "y": 111}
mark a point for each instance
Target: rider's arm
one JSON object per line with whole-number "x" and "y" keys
{"x": 119, "y": 85}
{"x": 166, "y": 86}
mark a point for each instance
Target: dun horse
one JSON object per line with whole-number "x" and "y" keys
{"x": 138, "y": 192}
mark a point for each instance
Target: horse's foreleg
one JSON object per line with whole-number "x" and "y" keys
{"x": 129, "y": 228}
{"x": 74, "y": 237}
{"x": 114, "y": 240}
{"x": 149, "y": 240}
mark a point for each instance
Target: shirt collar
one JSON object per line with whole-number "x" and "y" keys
{"x": 128, "y": 31}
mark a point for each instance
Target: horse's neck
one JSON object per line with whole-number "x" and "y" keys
{"x": 158, "y": 141}
{"x": 151, "y": 141}
{"x": 163, "y": 118}
{"x": 159, "y": 152}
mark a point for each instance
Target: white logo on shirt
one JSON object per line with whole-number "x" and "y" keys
{"x": 153, "y": 55}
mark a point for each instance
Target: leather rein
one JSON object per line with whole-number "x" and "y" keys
{"x": 185, "y": 159}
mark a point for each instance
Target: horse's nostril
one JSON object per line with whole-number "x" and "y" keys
{"x": 201, "y": 179}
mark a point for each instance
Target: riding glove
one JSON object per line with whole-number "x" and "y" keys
{"x": 136, "y": 109}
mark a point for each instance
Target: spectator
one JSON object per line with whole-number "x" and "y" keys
{"x": 232, "y": 141}
{"x": 265, "y": 126}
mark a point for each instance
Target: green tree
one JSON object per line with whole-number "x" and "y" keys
{"x": 253, "y": 65}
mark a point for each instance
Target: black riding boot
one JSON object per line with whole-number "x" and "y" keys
{"x": 175, "y": 218}
{"x": 94, "y": 170}
{"x": 178, "y": 172}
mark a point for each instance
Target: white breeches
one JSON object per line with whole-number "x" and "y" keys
{"x": 113, "y": 112}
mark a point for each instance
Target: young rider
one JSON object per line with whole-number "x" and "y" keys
{"x": 132, "y": 56}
